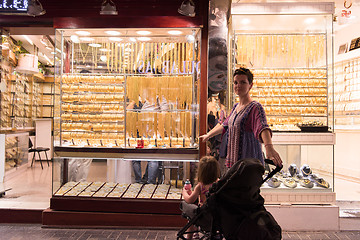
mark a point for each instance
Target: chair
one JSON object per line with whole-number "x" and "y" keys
{"x": 38, "y": 150}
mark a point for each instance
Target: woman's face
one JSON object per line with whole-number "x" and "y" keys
{"x": 241, "y": 85}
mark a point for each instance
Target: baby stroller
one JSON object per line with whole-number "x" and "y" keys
{"x": 234, "y": 208}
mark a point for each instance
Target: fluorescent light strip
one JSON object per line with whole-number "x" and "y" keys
{"x": 48, "y": 59}
{"x": 28, "y": 39}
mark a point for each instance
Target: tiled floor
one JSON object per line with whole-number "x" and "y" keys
{"x": 35, "y": 232}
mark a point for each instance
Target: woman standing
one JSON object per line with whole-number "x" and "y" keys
{"x": 247, "y": 125}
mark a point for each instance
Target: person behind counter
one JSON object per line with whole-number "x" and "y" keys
{"x": 152, "y": 171}
{"x": 247, "y": 125}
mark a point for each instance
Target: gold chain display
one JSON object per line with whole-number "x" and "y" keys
{"x": 290, "y": 76}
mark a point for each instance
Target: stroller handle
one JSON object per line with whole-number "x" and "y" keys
{"x": 273, "y": 172}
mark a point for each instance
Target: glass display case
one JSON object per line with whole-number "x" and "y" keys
{"x": 16, "y": 93}
{"x": 129, "y": 91}
{"x": 126, "y": 123}
{"x": 292, "y": 65}
{"x": 346, "y": 94}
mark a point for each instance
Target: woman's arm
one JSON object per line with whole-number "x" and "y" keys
{"x": 218, "y": 129}
{"x": 191, "y": 198}
{"x": 271, "y": 153}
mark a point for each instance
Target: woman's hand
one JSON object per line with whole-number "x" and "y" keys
{"x": 204, "y": 137}
{"x": 273, "y": 155}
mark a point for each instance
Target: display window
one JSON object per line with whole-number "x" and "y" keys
{"x": 291, "y": 59}
{"x": 128, "y": 103}
{"x": 127, "y": 88}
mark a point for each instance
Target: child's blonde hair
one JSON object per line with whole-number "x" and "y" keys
{"x": 209, "y": 170}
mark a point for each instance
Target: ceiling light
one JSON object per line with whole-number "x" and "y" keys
{"x": 144, "y": 38}
{"x": 190, "y": 38}
{"x": 28, "y": 40}
{"x": 86, "y": 39}
{"x": 35, "y": 8}
{"x": 245, "y": 21}
{"x": 132, "y": 39}
{"x": 175, "y": 32}
{"x": 46, "y": 57}
{"x": 75, "y": 38}
{"x": 113, "y": 33}
{"x": 83, "y": 33}
{"x": 143, "y": 32}
{"x": 115, "y": 39}
{"x": 108, "y": 7}
{"x": 187, "y": 8}
{"x": 103, "y": 58}
{"x": 309, "y": 21}
{"x": 104, "y": 50}
{"x": 94, "y": 44}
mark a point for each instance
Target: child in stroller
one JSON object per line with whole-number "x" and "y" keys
{"x": 234, "y": 208}
{"x": 208, "y": 173}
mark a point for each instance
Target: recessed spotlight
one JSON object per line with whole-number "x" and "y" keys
{"x": 75, "y": 38}
{"x": 103, "y": 58}
{"x": 83, "y": 33}
{"x": 309, "y": 21}
{"x": 144, "y": 38}
{"x": 115, "y": 39}
{"x": 86, "y": 39}
{"x": 113, "y": 33}
{"x": 94, "y": 44}
{"x": 132, "y": 39}
{"x": 175, "y": 32}
{"x": 143, "y": 32}
{"x": 190, "y": 38}
{"x": 245, "y": 21}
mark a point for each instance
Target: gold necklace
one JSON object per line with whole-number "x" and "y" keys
{"x": 81, "y": 52}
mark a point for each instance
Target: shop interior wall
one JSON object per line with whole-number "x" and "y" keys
{"x": 346, "y": 155}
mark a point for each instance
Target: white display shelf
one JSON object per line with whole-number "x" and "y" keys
{"x": 276, "y": 196}
{"x": 327, "y": 138}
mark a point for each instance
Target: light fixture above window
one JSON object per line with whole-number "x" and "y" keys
{"x": 83, "y": 33}
{"x": 187, "y": 8}
{"x": 175, "y": 32}
{"x": 144, "y": 38}
{"x": 35, "y": 8}
{"x": 108, "y": 7}
{"x": 86, "y": 39}
{"x": 112, "y": 33}
{"x": 115, "y": 39}
{"x": 94, "y": 45}
{"x": 144, "y": 33}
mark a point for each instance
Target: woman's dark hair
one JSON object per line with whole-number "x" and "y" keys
{"x": 245, "y": 71}
{"x": 209, "y": 170}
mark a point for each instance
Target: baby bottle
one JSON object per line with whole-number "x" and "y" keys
{"x": 187, "y": 186}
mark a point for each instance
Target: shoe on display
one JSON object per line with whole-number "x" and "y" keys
{"x": 305, "y": 182}
{"x": 273, "y": 182}
{"x": 320, "y": 182}
{"x": 293, "y": 170}
{"x": 289, "y": 182}
{"x": 306, "y": 170}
